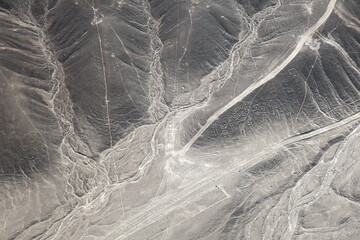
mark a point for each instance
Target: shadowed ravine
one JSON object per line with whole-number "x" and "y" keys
{"x": 187, "y": 119}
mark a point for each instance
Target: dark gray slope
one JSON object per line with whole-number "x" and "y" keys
{"x": 197, "y": 37}
{"x": 316, "y": 89}
{"x": 87, "y": 62}
{"x": 105, "y": 52}
{"x": 252, "y": 7}
{"x": 188, "y": 119}
{"x": 30, "y": 134}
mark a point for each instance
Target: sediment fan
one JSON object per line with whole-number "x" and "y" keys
{"x": 187, "y": 119}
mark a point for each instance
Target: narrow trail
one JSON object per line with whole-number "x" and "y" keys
{"x": 104, "y": 77}
{"x": 264, "y": 80}
{"x": 298, "y": 199}
{"x": 192, "y": 191}
{"x": 201, "y": 187}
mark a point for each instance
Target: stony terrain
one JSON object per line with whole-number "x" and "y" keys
{"x": 180, "y": 120}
